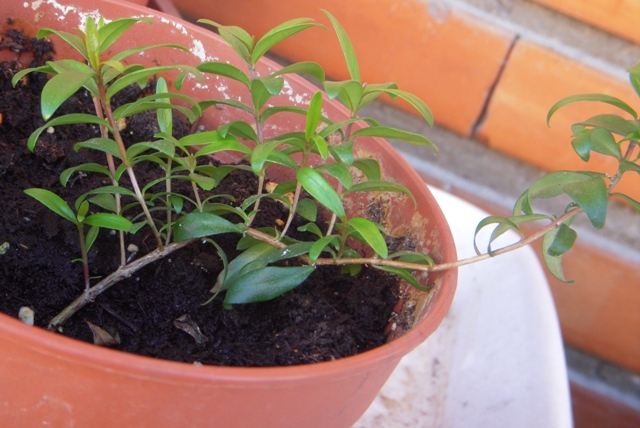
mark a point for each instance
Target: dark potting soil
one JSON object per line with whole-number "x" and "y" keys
{"x": 328, "y": 317}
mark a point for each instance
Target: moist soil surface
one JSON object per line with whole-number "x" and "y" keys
{"x": 330, "y": 316}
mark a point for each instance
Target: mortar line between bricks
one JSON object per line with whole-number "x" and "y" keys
{"x": 482, "y": 116}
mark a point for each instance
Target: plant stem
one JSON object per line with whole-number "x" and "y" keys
{"x": 104, "y": 132}
{"x": 85, "y": 257}
{"x": 123, "y": 272}
{"x": 422, "y": 267}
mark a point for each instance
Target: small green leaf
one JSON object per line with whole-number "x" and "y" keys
{"x": 553, "y": 263}
{"x": 311, "y": 228}
{"x": 405, "y": 275}
{"x": 54, "y": 202}
{"x": 613, "y": 123}
{"x": 337, "y": 171}
{"x": 87, "y": 167}
{"x": 263, "y": 89}
{"x": 67, "y": 119}
{"x": 91, "y": 237}
{"x": 225, "y": 70}
{"x": 278, "y": 34}
{"x": 319, "y": 145}
{"x": 416, "y": 102}
{"x": 238, "y": 39}
{"x": 381, "y": 186}
{"x": 394, "y": 134}
{"x": 100, "y": 144}
{"x": 347, "y": 47}
{"x": 313, "y": 115}
{"x": 591, "y": 97}
{"x": 370, "y": 168}
{"x": 591, "y": 196}
{"x": 238, "y": 266}
{"x": 314, "y": 183}
{"x": 74, "y": 41}
{"x": 306, "y": 67}
{"x": 349, "y": 92}
{"x": 307, "y": 209}
{"x": 111, "y": 31}
{"x": 265, "y": 284}
{"x": 83, "y": 208}
{"x": 198, "y": 225}
{"x": 582, "y": 146}
{"x": 105, "y": 201}
{"x": 371, "y": 235}
{"x": 206, "y": 183}
{"x": 260, "y": 154}
{"x": 603, "y": 142}
{"x": 108, "y": 221}
{"x": 563, "y": 241}
{"x": 321, "y": 245}
{"x": 70, "y": 78}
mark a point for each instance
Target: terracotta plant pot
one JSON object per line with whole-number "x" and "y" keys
{"x": 47, "y": 379}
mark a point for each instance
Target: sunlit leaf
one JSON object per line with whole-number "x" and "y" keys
{"x": 347, "y": 47}
{"x": 370, "y": 168}
{"x": 591, "y": 97}
{"x": 337, "y": 171}
{"x": 225, "y": 70}
{"x": 394, "y": 134}
{"x": 278, "y": 34}
{"x": 371, "y": 235}
{"x": 314, "y": 183}
{"x": 306, "y": 67}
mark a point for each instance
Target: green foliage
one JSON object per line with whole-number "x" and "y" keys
{"x": 609, "y": 135}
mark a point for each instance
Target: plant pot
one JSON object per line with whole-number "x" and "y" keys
{"x": 54, "y": 380}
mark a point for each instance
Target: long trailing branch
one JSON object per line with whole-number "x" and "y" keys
{"x": 123, "y": 272}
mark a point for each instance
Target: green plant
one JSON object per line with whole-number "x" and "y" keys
{"x": 255, "y": 275}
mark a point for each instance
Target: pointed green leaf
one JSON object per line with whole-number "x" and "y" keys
{"x": 54, "y": 202}
{"x": 314, "y": 183}
{"x": 225, "y": 70}
{"x": 91, "y": 237}
{"x": 337, "y": 171}
{"x": 307, "y": 209}
{"x": 381, "y": 186}
{"x": 100, "y": 144}
{"x": 87, "y": 167}
{"x": 306, "y": 67}
{"x": 278, "y": 34}
{"x": 263, "y": 89}
{"x": 590, "y": 195}
{"x": 563, "y": 241}
{"x": 370, "y": 168}
{"x": 105, "y": 201}
{"x": 582, "y": 146}
{"x": 394, "y": 134}
{"x": 591, "y": 97}
{"x": 60, "y": 87}
{"x": 553, "y": 263}
{"x": 349, "y": 92}
{"x": 313, "y": 116}
{"x": 76, "y": 42}
{"x": 613, "y": 123}
{"x": 603, "y": 142}
{"x": 198, "y": 225}
{"x": 635, "y": 204}
{"x": 371, "y": 235}
{"x": 265, "y": 284}
{"x": 347, "y": 47}
{"x": 238, "y": 39}
{"x": 206, "y": 183}
{"x": 111, "y": 31}
{"x": 238, "y": 266}
{"x": 405, "y": 275}
{"x": 108, "y": 221}
{"x": 323, "y": 244}
{"x": 67, "y": 119}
